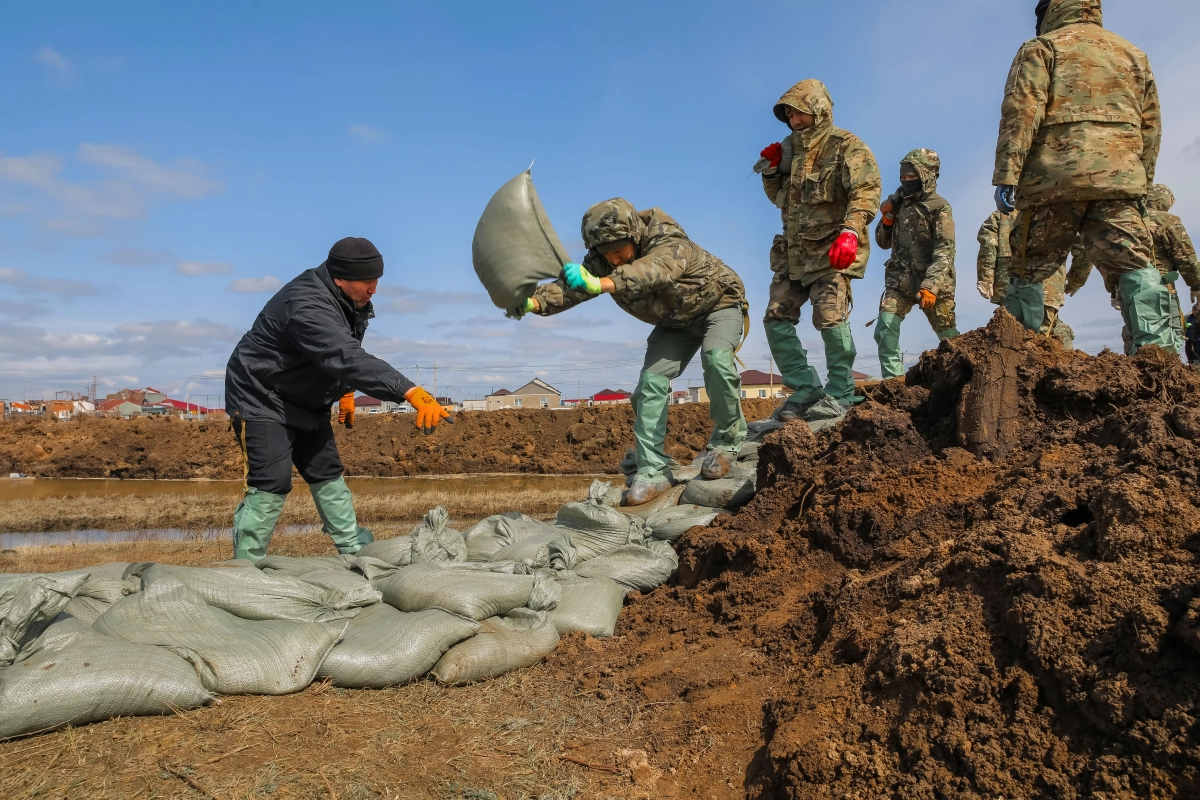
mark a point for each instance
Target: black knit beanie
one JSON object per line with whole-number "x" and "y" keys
{"x": 354, "y": 259}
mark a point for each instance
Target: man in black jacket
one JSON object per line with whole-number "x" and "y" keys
{"x": 302, "y": 354}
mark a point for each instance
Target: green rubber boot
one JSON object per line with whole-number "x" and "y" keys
{"x": 839, "y": 364}
{"x": 1027, "y": 302}
{"x": 336, "y": 508}
{"x": 1147, "y": 306}
{"x": 650, "y": 400}
{"x": 792, "y": 359}
{"x": 949, "y": 333}
{"x": 253, "y": 522}
{"x": 887, "y": 336}
{"x": 723, "y": 384}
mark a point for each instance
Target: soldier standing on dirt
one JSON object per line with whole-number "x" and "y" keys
{"x": 1079, "y": 136}
{"x": 830, "y": 195}
{"x": 693, "y": 300}
{"x": 302, "y": 354}
{"x": 917, "y": 225}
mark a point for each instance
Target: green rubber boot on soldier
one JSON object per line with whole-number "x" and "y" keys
{"x": 1027, "y": 302}
{"x": 839, "y": 364}
{"x": 650, "y": 400}
{"x": 254, "y": 521}
{"x": 949, "y": 333}
{"x": 887, "y": 336}
{"x": 723, "y": 384}
{"x": 338, "y": 519}
{"x": 1147, "y": 306}
{"x": 798, "y": 375}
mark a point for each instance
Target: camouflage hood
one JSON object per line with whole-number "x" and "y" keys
{"x": 612, "y": 221}
{"x": 807, "y": 97}
{"x": 928, "y": 165}
{"x": 1160, "y": 197}
{"x": 1071, "y": 12}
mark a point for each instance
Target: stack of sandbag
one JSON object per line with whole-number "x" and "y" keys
{"x": 730, "y": 492}
{"x": 518, "y": 639}
{"x": 594, "y": 527}
{"x": 489, "y": 536}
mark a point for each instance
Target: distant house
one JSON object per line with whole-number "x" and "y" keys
{"x": 187, "y": 408}
{"x": 679, "y": 398}
{"x": 61, "y": 409}
{"x": 119, "y": 407}
{"x": 611, "y": 397}
{"x": 20, "y": 408}
{"x": 370, "y": 405}
{"x": 758, "y": 385}
{"x": 535, "y": 394}
{"x": 474, "y": 405}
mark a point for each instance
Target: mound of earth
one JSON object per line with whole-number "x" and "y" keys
{"x": 983, "y": 584}
{"x": 588, "y": 440}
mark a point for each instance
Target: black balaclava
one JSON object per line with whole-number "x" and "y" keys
{"x": 910, "y": 182}
{"x": 1042, "y": 7}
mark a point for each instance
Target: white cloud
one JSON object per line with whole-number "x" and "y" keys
{"x": 55, "y": 63}
{"x": 194, "y": 268}
{"x": 406, "y": 300}
{"x": 368, "y": 135}
{"x": 249, "y": 285}
{"x": 22, "y": 281}
{"x": 134, "y": 257}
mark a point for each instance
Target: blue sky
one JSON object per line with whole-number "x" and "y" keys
{"x": 164, "y": 167}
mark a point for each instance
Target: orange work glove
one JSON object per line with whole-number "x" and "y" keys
{"x": 429, "y": 413}
{"x": 346, "y": 410}
{"x": 926, "y": 298}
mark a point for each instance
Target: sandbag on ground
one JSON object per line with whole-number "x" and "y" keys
{"x": 396, "y": 551}
{"x": 255, "y": 595}
{"x": 435, "y": 540}
{"x": 595, "y": 527}
{"x": 825, "y": 413}
{"x": 73, "y": 675}
{"x": 669, "y": 524}
{"x": 591, "y": 605}
{"x": 28, "y": 603}
{"x": 231, "y": 655}
{"x": 295, "y": 566}
{"x": 386, "y": 647}
{"x": 472, "y": 593}
{"x": 730, "y": 493}
{"x": 489, "y": 535}
{"x": 515, "y": 246}
{"x": 502, "y": 645}
{"x": 105, "y": 585}
{"x": 635, "y": 566}
{"x": 346, "y": 583}
{"x": 668, "y": 500}
{"x": 533, "y": 551}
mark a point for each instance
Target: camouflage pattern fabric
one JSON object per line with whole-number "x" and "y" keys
{"x": 941, "y": 316}
{"x": 1111, "y": 234}
{"x": 1080, "y": 118}
{"x": 829, "y": 295}
{"x": 833, "y": 185}
{"x": 922, "y": 238}
{"x": 995, "y": 253}
{"x": 672, "y": 282}
{"x": 1173, "y": 248}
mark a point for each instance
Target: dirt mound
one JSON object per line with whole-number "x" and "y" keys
{"x": 983, "y": 584}
{"x": 540, "y": 441}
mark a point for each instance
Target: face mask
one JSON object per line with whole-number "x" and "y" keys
{"x": 911, "y": 187}
{"x": 1042, "y": 7}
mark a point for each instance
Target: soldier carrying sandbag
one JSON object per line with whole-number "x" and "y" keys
{"x": 694, "y": 301}
{"x": 304, "y": 353}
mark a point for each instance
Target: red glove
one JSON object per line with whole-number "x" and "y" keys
{"x": 844, "y": 251}
{"x": 774, "y": 152}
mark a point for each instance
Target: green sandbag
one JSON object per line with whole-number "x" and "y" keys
{"x": 520, "y": 639}
{"x": 515, "y": 245}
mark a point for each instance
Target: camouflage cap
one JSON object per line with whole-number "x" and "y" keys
{"x": 928, "y": 165}
{"x": 807, "y": 97}
{"x": 1160, "y": 197}
{"x": 611, "y": 221}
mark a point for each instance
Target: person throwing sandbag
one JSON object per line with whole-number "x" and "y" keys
{"x": 304, "y": 353}
{"x": 693, "y": 300}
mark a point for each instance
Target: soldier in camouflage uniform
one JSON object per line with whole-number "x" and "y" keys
{"x": 917, "y": 225}
{"x": 1079, "y": 136}
{"x": 693, "y": 300}
{"x": 829, "y": 195}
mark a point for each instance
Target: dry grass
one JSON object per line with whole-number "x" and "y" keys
{"x": 208, "y": 511}
{"x": 504, "y": 738}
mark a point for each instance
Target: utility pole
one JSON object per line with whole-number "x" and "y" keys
{"x": 771, "y": 373}
{"x": 435, "y": 379}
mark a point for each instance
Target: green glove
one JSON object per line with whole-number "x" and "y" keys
{"x": 580, "y": 280}
{"x": 530, "y": 306}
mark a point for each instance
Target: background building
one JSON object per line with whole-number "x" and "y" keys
{"x": 535, "y": 394}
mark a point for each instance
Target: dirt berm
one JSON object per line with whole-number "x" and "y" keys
{"x": 984, "y": 584}
{"x": 540, "y": 441}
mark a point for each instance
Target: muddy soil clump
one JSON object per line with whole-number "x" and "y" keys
{"x": 588, "y": 440}
{"x": 983, "y": 584}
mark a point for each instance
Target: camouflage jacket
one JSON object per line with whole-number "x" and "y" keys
{"x": 672, "y": 282}
{"x": 833, "y": 185}
{"x": 922, "y": 238}
{"x": 995, "y": 251}
{"x": 1080, "y": 119}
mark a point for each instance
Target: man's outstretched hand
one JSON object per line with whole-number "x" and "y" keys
{"x": 429, "y": 413}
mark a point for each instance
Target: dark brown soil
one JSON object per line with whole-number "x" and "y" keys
{"x": 895, "y": 617}
{"x": 550, "y": 442}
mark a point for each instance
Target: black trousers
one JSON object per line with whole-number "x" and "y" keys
{"x": 272, "y": 448}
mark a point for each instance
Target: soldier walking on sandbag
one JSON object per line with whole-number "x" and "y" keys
{"x": 304, "y": 353}
{"x": 1079, "y": 136}
{"x": 831, "y": 194}
{"x": 693, "y": 300}
{"x": 917, "y": 225}
{"x": 994, "y": 262}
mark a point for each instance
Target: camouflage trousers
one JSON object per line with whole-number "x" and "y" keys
{"x": 940, "y": 314}
{"x": 1114, "y": 236}
{"x": 829, "y": 294}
